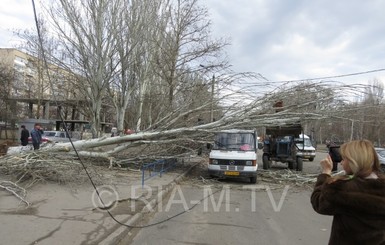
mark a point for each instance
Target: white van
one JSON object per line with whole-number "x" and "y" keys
{"x": 305, "y": 147}
{"x": 234, "y": 154}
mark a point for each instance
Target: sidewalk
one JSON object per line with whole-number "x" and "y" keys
{"x": 69, "y": 214}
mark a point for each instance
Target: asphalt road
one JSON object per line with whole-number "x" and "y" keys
{"x": 236, "y": 212}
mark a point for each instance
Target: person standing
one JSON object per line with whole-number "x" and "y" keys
{"x": 24, "y": 135}
{"x": 36, "y": 135}
{"x": 356, "y": 200}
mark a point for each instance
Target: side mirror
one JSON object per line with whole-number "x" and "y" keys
{"x": 209, "y": 146}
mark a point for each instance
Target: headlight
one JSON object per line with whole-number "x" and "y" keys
{"x": 214, "y": 161}
{"x": 249, "y": 163}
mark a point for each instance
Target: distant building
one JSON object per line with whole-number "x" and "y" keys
{"x": 32, "y": 94}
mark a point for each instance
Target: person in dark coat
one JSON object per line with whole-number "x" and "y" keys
{"x": 24, "y": 136}
{"x": 36, "y": 135}
{"x": 357, "y": 199}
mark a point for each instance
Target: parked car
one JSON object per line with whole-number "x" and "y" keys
{"x": 381, "y": 157}
{"x": 57, "y": 136}
{"x": 54, "y": 136}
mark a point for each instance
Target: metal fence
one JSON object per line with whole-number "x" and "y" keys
{"x": 156, "y": 168}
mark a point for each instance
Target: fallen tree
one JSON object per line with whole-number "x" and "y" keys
{"x": 165, "y": 140}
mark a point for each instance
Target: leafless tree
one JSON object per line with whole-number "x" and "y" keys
{"x": 37, "y": 83}
{"x": 372, "y": 111}
{"x": 182, "y": 47}
{"x": 134, "y": 32}
{"x": 83, "y": 28}
{"x": 158, "y": 45}
{"x": 130, "y": 50}
{"x": 6, "y": 78}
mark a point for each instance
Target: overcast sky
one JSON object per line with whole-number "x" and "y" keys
{"x": 280, "y": 39}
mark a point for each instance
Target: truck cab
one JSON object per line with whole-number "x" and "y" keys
{"x": 234, "y": 154}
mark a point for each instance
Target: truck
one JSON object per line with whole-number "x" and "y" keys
{"x": 280, "y": 146}
{"x": 305, "y": 147}
{"x": 234, "y": 154}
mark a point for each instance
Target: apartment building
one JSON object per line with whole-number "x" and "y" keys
{"x": 31, "y": 94}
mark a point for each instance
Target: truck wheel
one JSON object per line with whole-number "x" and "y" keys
{"x": 311, "y": 159}
{"x": 266, "y": 162}
{"x": 299, "y": 163}
{"x": 253, "y": 180}
{"x": 292, "y": 165}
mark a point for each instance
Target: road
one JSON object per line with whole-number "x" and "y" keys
{"x": 236, "y": 212}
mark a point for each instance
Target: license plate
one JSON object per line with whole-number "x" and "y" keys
{"x": 232, "y": 173}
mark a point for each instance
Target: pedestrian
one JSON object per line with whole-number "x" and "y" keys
{"x": 128, "y": 131}
{"x": 36, "y": 135}
{"x": 24, "y": 135}
{"x": 114, "y": 132}
{"x": 357, "y": 199}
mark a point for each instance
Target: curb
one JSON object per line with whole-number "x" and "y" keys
{"x": 116, "y": 236}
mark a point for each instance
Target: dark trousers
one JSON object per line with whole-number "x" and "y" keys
{"x": 36, "y": 146}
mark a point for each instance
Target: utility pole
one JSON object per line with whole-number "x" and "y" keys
{"x": 212, "y": 94}
{"x": 212, "y": 99}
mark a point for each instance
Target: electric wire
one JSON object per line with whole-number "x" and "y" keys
{"x": 335, "y": 76}
{"x": 45, "y": 63}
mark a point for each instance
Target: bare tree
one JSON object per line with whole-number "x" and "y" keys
{"x": 83, "y": 28}
{"x": 185, "y": 42}
{"x": 6, "y": 82}
{"x": 38, "y": 83}
{"x": 134, "y": 32}
{"x": 372, "y": 107}
{"x": 158, "y": 43}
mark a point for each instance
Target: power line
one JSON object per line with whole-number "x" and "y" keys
{"x": 336, "y": 76}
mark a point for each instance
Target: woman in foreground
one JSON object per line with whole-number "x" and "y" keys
{"x": 357, "y": 199}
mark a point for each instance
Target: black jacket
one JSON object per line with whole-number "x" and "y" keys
{"x": 358, "y": 207}
{"x": 24, "y": 137}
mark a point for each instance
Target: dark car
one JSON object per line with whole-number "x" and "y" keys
{"x": 381, "y": 157}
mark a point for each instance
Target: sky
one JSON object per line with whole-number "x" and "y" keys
{"x": 282, "y": 40}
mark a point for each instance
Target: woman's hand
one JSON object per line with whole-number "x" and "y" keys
{"x": 327, "y": 165}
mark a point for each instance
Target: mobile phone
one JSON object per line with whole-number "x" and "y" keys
{"x": 334, "y": 152}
